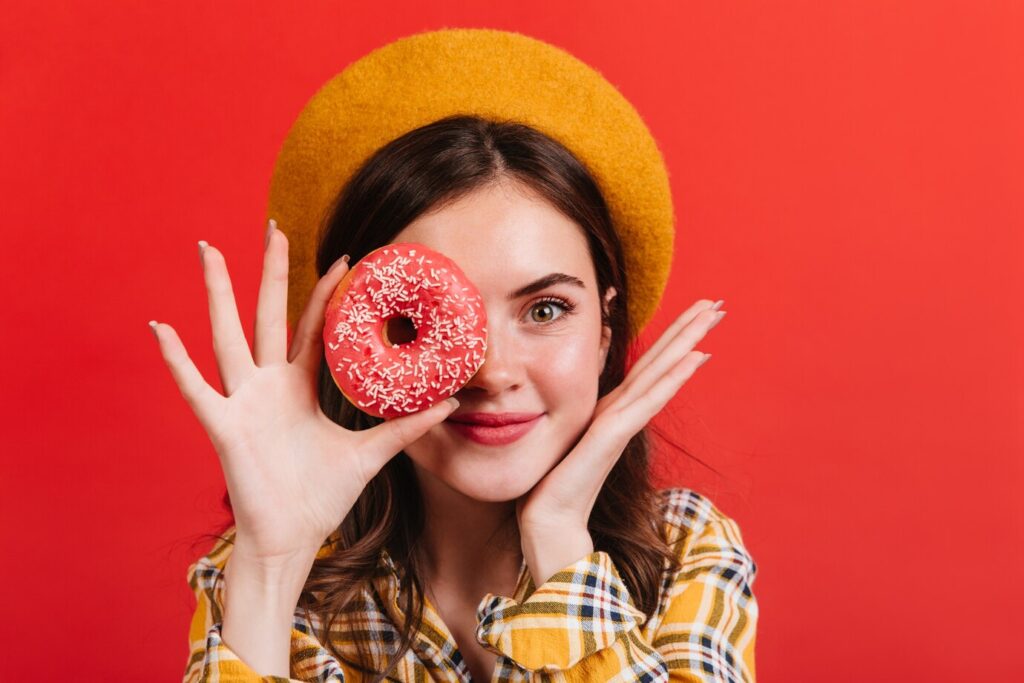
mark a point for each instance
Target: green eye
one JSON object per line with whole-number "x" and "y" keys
{"x": 550, "y": 310}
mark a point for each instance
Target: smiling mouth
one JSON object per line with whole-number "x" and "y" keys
{"x": 498, "y": 432}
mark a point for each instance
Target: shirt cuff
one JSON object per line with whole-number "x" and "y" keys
{"x": 222, "y": 664}
{"x": 582, "y": 609}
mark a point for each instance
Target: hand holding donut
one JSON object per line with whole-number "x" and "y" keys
{"x": 291, "y": 472}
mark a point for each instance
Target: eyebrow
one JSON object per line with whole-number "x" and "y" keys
{"x": 544, "y": 283}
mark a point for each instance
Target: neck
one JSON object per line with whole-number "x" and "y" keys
{"x": 466, "y": 542}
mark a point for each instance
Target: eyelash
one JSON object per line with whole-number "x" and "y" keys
{"x": 568, "y": 306}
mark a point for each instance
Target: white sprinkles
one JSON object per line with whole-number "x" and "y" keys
{"x": 447, "y": 351}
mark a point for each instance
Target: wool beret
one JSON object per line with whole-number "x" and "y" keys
{"x": 491, "y": 73}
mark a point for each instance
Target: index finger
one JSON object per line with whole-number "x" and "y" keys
{"x": 671, "y": 333}
{"x": 307, "y": 344}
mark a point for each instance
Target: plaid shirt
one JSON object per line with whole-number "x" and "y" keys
{"x": 580, "y": 625}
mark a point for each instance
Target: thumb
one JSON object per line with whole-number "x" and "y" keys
{"x": 390, "y": 437}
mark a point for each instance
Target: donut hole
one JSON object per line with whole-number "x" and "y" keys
{"x": 399, "y": 330}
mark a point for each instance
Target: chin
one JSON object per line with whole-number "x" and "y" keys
{"x": 488, "y": 480}
{"x": 494, "y": 489}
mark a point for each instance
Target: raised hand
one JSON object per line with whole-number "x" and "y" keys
{"x": 553, "y": 515}
{"x": 291, "y": 472}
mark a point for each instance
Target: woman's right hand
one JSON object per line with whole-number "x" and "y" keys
{"x": 291, "y": 472}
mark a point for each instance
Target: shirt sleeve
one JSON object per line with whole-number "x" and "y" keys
{"x": 212, "y": 661}
{"x": 583, "y": 623}
{"x": 708, "y": 627}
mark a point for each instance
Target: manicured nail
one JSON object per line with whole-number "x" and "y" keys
{"x": 704, "y": 360}
{"x": 721, "y": 314}
{"x": 271, "y": 226}
{"x": 453, "y": 401}
{"x": 337, "y": 264}
{"x": 152, "y": 326}
{"x": 718, "y": 304}
{"x": 202, "y": 247}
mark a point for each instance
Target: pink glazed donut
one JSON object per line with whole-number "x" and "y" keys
{"x": 404, "y": 329}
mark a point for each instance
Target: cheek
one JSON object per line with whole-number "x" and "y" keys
{"x": 565, "y": 371}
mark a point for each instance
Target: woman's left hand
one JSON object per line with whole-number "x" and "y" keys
{"x": 553, "y": 515}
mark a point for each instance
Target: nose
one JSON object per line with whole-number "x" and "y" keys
{"x": 502, "y": 369}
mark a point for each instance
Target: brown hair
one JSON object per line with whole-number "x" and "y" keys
{"x": 421, "y": 171}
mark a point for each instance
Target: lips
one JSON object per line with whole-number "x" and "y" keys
{"x": 493, "y": 429}
{"x": 494, "y": 419}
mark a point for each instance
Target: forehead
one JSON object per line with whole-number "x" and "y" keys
{"x": 504, "y": 235}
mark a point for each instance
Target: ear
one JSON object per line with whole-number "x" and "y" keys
{"x": 606, "y": 331}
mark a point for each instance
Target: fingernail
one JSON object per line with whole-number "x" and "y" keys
{"x": 152, "y": 326}
{"x": 721, "y": 314}
{"x": 202, "y": 247}
{"x": 337, "y": 264}
{"x": 718, "y": 304}
{"x": 453, "y": 401}
{"x": 704, "y": 360}
{"x": 271, "y": 226}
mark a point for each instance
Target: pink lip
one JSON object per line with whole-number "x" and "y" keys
{"x": 493, "y": 429}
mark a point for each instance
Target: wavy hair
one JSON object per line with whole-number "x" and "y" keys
{"x": 421, "y": 171}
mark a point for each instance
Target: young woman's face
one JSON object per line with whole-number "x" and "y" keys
{"x": 545, "y": 348}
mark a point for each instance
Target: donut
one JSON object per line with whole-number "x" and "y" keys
{"x": 404, "y": 329}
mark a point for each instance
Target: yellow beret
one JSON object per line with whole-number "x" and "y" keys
{"x": 495, "y": 74}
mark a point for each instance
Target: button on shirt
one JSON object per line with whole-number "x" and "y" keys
{"x": 579, "y": 625}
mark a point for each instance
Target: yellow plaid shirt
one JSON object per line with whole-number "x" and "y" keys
{"x": 580, "y": 625}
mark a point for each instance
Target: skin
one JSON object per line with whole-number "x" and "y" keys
{"x": 542, "y": 358}
{"x": 293, "y": 474}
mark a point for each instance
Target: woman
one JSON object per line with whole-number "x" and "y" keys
{"x": 365, "y": 549}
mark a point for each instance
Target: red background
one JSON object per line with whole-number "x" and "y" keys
{"x": 848, "y": 177}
